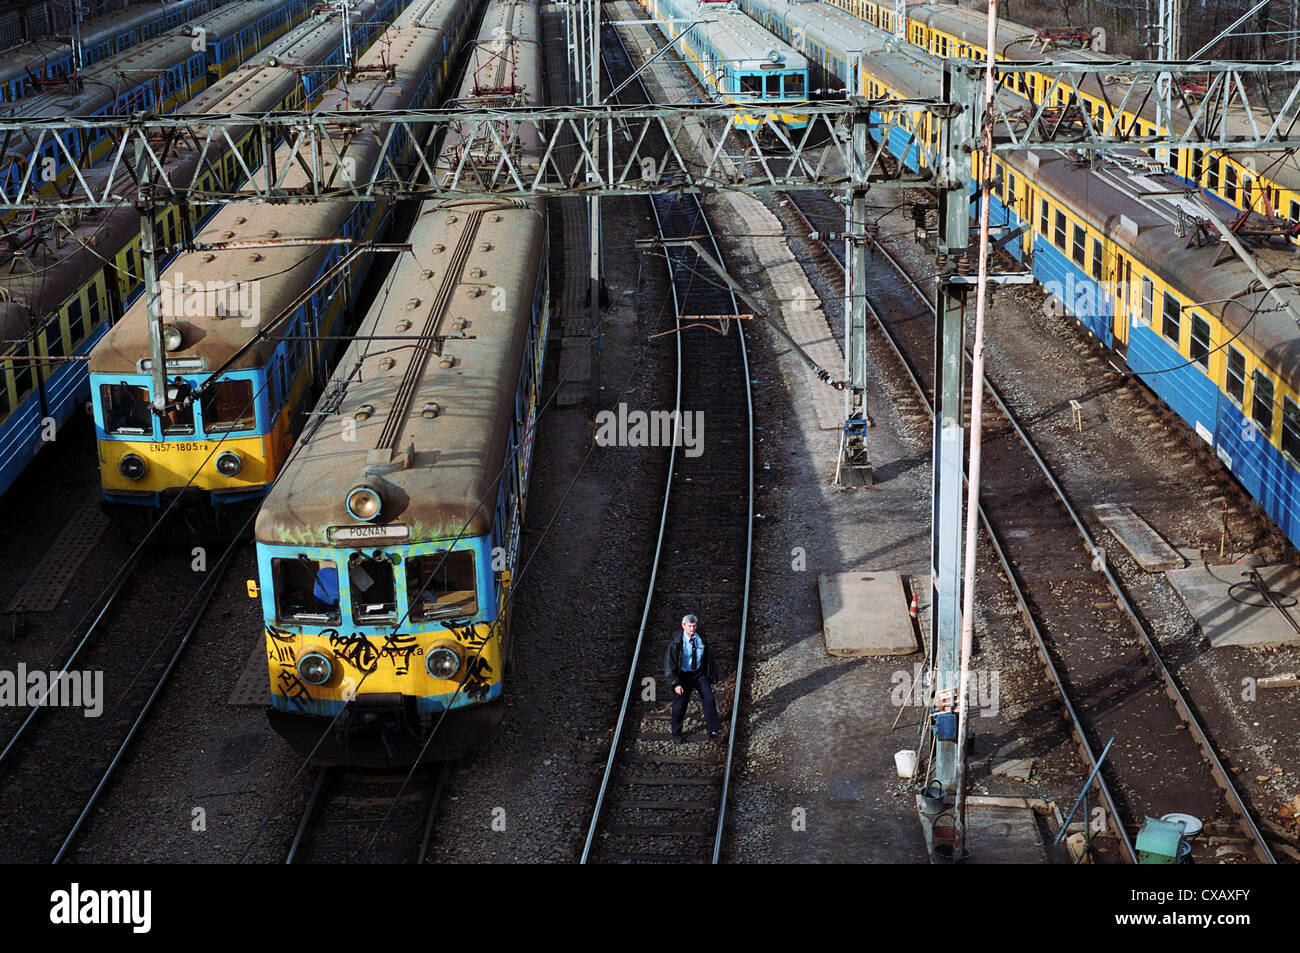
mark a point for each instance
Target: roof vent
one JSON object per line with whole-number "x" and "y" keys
{"x": 431, "y": 410}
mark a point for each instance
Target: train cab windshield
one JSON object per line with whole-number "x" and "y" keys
{"x": 228, "y": 407}
{"x": 442, "y": 585}
{"x": 306, "y": 590}
{"x": 126, "y": 409}
{"x": 373, "y": 589}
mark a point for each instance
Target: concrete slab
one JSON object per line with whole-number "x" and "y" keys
{"x": 1247, "y": 619}
{"x": 1018, "y": 769}
{"x": 865, "y": 613}
{"x": 999, "y": 830}
{"x": 1135, "y": 534}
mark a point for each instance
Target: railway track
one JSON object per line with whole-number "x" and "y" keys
{"x": 56, "y": 761}
{"x": 378, "y": 817}
{"x": 661, "y": 801}
{"x": 1095, "y": 649}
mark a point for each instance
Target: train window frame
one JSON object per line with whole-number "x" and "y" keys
{"x": 1234, "y": 379}
{"x": 1171, "y": 319}
{"x": 1059, "y": 232}
{"x": 1294, "y": 211}
{"x": 1045, "y": 220}
{"x": 1291, "y": 429}
{"x": 143, "y": 422}
{"x": 218, "y": 397}
{"x": 1261, "y": 401}
{"x": 1079, "y": 244}
{"x": 1200, "y": 345}
{"x": 444, "y": 606}
{"x": 279, "y": 593}
{"x": 794, "y": 85}
{"x": 1098, "y": 259}
{"x": 1148, "y": 300}
{"x": 367, "y": 609}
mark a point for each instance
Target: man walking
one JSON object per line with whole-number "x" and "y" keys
{"x": 688, "y": 666}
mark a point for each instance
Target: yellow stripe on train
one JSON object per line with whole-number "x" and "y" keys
{"x": 170, "y": 465}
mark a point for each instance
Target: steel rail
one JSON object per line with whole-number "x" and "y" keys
{"x": 611, "y": 761}
{"x": 114, "y": 591}
{"x": 1182, "y": 706}
{"x": 198, "y": 604}
{"x": 1172, "y": 690}
{"x": 1022, "y": 602}
{"x": 313, "y": 800}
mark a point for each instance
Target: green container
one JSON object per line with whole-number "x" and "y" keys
{"x": 1158, "y": 842}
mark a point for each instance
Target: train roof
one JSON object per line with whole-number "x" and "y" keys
{"x": 1148, "y": 212}
{"x": 738, "y": 40}
{"x": 431, "y": 412}
{"x": 94, "y": 30}
{"x": 272, "y": 277}
{"x": 74, "y": 245}
{"x": 103, "y": 81}
{"x": 1117, "y": 196}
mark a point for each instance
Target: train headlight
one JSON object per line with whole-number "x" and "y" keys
{"x": 315, "y": 669}
{"x": 131, "y": 466}
{"x": 172, "y": 337}
{"x": 229, "y": 464}
{"x": 442, "y": 663}
{"x": 364, "y": 502}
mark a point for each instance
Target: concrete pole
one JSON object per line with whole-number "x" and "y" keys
{"x": 949, "y": 435}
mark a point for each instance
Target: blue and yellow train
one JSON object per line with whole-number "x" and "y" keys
{"x": 387, "y": 549}
{"x": 236, "y": 397}
{"x": 737, "y": 61}
{"x": 72, "y": 277}
{"x": 1125, "y": 248}
{"x": 42, "y": 63}
{"x": 154, "y": 76}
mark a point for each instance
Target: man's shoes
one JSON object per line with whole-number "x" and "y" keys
{"x": 715, "y": 735}
{"x": 677, "y": 736}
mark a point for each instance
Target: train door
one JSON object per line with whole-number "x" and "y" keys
{"x": 1121, "y": 281}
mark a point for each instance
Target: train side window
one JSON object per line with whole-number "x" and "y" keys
{"x": 373, "y": 586}
{"x": 228, "y": 407}
{"x": 76, "y": 327}
{"x": 306, "y": 590}
{"x": 1171, "y": 319}
{"x": 1097, "y": 255}
{"x": 1200, "y": 346}
{"x": 1261, "y": 404}
{"x": 1148, "y": 300}
{"x": 126, "y": 409}
{"x": 1230, "y": 182}
{"x": 1290, "y": 428}
{"x": 1079, "y": 249}
{"x": 442, "y": 585}
{"x": 1236, "y": 378}
{"x": 1212, "y": 176}
{"x": 773, "y": 86}
{"x": 751, "y": 83}
{"x": 1294, "y": 213}
{"x": 794, "y": 85}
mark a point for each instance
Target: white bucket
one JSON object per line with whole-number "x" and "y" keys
{"x": 905, "y": 762}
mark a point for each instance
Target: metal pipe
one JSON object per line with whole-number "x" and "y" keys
{"x": 976, "y": 417}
